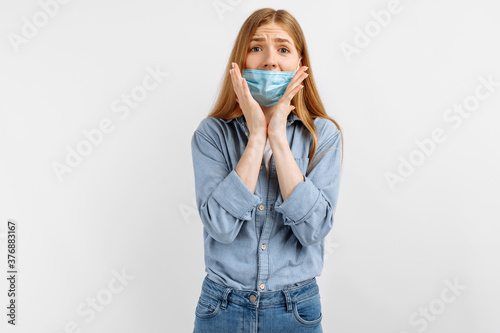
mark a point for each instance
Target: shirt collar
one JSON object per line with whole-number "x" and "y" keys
{"x": 241, "y": 119}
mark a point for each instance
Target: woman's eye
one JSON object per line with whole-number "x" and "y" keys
{"x": 283, "y": 48}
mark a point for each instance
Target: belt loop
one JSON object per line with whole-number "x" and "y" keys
{"x": 224, "y": 298}
{"x": 288, "y": 300}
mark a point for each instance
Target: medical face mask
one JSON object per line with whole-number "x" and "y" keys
{"x": 267, "y": 87}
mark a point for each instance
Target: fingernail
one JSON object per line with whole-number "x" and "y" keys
{"x": 232, "y": 64}
{"x": 306, "y": 68}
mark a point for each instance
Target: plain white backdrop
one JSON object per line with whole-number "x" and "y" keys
{"x": 98, "y": 103}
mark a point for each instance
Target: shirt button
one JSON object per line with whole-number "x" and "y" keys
{"x": 262, "y": 286}
{"x": 261, "y": 207}
{"x": 261, "y": 167}
{"x": 252, "y": 298}
{"x": 246, "y": 133}
{"x": 263, "y": 247}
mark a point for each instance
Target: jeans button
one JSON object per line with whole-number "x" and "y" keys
{"x": 252, "y": 298}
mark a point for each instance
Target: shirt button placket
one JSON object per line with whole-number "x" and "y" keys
{"x": 264, "y": 267}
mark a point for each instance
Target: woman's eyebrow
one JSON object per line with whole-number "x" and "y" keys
{"x": 276, "y": 39}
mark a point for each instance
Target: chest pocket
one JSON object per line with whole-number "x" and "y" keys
{"x": 302, "y": 163}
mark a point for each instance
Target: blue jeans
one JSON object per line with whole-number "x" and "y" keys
{"x": 222, "y": 309}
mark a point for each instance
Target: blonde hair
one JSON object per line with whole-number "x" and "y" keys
{"x": 307, "y": 102}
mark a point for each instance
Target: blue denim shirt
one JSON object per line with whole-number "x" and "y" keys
{"x": 257, "y": 241}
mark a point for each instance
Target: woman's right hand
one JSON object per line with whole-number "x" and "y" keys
{"x": 254, "y": 116}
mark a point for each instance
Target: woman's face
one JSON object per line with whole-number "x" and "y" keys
{"x": 271, "y": 48}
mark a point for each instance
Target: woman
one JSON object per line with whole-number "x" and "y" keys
{"x": 267, "y": 163}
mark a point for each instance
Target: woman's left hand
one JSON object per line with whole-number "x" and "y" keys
{"x": 277, "y": 125}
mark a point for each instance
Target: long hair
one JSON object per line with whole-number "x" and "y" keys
{"x": 307, "y": 102}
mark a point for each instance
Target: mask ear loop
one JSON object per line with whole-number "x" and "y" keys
{"x": 298, "y": 64}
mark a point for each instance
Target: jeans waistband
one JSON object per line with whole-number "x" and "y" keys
{"x": 260, "y": 298}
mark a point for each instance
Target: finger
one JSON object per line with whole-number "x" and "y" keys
{"x": 231, "y": 75}
{"x": 298, "y": 78}
{"x": 236, "y": 84}
{"x": 244, "y": 84}
{"x": 294, "y": 83}
{"x": 234, "y": 77}
{"x": 288, "y": 96}
{"x": 237, "y": 71}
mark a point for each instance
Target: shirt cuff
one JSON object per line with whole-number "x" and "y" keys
{"x": 300, "y": 204}
{"x": 235, "y": 197}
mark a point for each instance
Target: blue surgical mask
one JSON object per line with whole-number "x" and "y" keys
{"x": 267, "y": 87}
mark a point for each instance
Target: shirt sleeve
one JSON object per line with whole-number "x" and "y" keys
{"x": 310, "y": 208}
{"x": 224, "y": 202}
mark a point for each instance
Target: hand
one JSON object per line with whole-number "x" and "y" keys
{"x": 254, "y": 116}
{"x": 277, "y": 124}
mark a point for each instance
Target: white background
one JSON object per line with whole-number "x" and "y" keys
{"x": 129, "y": 205}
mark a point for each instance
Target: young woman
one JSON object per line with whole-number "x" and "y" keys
{"x": 267, "y": 163}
